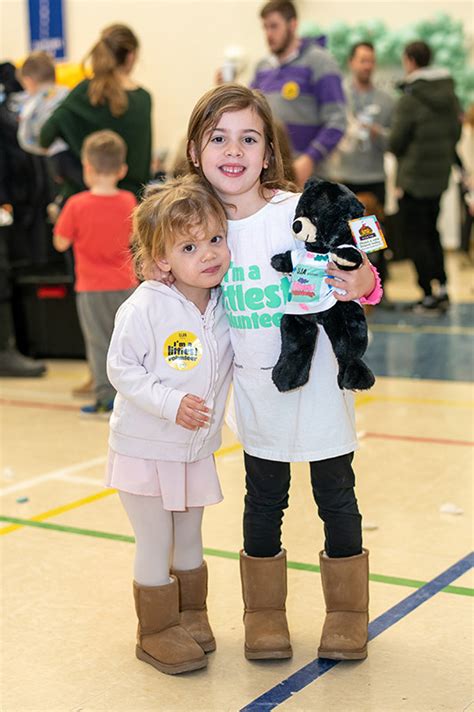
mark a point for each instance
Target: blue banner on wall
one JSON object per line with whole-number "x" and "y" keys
{"x": 46, "y": 27}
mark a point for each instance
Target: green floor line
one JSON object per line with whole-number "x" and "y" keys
{"x": 68, "y": 530}
{"x": 379, "y": 578}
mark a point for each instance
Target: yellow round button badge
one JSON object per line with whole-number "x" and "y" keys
{"x": 182, "y": 350}
{"x": 290, "y": 90}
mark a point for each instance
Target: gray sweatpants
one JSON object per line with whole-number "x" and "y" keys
{"x": 96, "y": 311}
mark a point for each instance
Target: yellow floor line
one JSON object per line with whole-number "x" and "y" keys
{"x": 363, "y": 400}
{"x": 92, "y": 498}
{"x": 60, "y": 510}
{"x": 223, "y": 451}
{"x": 449, "y": 403}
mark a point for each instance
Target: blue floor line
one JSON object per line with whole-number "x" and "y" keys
{"x": 309, "y": 673}
{"x": 429, "y": 351}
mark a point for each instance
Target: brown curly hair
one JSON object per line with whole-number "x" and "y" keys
{"x": 168, "y": 212}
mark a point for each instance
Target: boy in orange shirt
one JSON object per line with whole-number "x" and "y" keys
{"x": 97, "y": 224}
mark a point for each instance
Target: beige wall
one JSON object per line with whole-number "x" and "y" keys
{"x": 183, "y": 41}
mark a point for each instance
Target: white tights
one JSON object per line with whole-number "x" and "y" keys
{"x": 162, "y": 537}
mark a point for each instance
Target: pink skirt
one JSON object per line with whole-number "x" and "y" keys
{"x": 179, "y": 484}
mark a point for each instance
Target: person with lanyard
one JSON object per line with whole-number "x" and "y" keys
{"x": 358, "y": 161}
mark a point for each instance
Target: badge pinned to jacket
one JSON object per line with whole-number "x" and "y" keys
{"x": 182, "y": 350}
{"x": 290, "y": 91}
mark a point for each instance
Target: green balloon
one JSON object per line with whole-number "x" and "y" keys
{"x": 310, "y": 29}
{"x": 442, "y": 21}
{"x": 443, "y": 57}
{"x": 437, "y": 40}
{"x": 444, "y": 35}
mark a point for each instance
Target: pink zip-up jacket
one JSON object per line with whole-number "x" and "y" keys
{"x": 163, "y": 348}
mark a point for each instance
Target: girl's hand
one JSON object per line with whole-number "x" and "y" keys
{"x": 357, "y": 283}
{"x": 192, "y": 413}
{"x": 154, "y": 272}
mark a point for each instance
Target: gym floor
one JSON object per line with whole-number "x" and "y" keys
{"x": 67, "y": 547}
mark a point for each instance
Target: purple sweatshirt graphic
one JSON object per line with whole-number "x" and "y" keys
{"x": 306, "y": 95}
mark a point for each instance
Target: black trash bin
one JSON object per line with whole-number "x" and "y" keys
{"x": 46, "y": 320}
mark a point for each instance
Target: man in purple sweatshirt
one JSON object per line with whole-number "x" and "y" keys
{"x": 303, "y": 85}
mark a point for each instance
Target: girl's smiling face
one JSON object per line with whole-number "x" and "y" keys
{"x": 233, "y": 156}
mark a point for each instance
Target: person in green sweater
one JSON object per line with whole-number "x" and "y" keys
{"x": 109, "y": 100}
{"x": 425, "y": 129}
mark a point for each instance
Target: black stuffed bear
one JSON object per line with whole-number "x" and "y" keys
{"x": 321, "y": 222}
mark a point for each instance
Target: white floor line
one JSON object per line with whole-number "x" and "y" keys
{"x": 78, "y": 480}
{"x": 54, "y": 475}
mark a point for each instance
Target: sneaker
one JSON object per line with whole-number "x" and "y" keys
{"x": 443, "y": 300}
{"x": 428, "y": 306}
{"x": 13, "y": 364}
{"x": 97, "y": 410}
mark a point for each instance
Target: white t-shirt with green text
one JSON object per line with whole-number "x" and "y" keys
{"x": 314, "y": 422}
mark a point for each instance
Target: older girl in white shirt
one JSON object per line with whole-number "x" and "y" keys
{"x": 232, "y": 145}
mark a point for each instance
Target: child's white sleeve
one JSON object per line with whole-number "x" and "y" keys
{"x": 127, "y": 373}
{"x": 29, "y": 128}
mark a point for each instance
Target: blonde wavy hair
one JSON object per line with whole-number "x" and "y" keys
{"x": 168, "y": 212}
{"x": 107, "y": 57}
{"x": 38, "y": 66}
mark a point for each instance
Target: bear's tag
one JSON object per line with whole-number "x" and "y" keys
{"x": 367, "y": 233}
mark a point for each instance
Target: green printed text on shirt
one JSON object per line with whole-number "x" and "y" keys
{"x": 249, "y": 306}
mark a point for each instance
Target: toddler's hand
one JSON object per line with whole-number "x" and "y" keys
{"x": 356, "y": 283}
{"x": 192, "y": 413}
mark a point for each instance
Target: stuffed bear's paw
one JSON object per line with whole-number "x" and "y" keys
{"x": 287, "y": 379}
{"x": 281, "y": 262}
{"x": 346, "y": 257}
{"x": 356, "y": 377}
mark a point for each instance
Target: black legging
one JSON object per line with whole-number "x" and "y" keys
{"x": 420, "y": 217}
{"x": 332, "y": 481}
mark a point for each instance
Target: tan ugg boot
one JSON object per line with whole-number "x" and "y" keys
{"x": 264, "y": 593}
{"x": 161, "y": 641}
{"x": 192, "y": 606}
{"x": 346, "y": 592}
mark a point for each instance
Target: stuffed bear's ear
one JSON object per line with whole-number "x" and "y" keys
{"x": 336, "y": 191}
{"x": 357, "y": 208}
{"x": 312, "y": 183}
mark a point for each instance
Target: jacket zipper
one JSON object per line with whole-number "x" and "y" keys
{"x": 208, "y": 338}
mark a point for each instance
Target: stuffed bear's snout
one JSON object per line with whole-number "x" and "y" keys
{"x": 304, "y": 230}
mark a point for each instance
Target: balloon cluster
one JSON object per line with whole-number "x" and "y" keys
{"x": 444, "y": 35}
